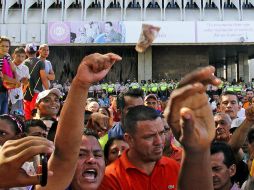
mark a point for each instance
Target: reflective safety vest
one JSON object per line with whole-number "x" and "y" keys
{"x": 104, "y": 86}
{"x": 111, "y": 88}
{"x": 144, "y": 88}
{"x": 154, "y": 87}
{"x": 135, "y": 86}
{"x": 163, "y": 87}
{"x": 238, "y": 88}
{"x": 230, "y": 88}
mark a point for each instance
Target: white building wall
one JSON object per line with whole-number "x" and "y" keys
{"x": 12, "y": 20}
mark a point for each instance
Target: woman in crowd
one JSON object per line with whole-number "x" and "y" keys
{"x": 114, "y": 149}
{"x": 103, "y": 134}
{"x": 11, "y": 127}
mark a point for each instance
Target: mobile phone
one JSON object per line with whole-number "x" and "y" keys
{"x": 41, "y": 168}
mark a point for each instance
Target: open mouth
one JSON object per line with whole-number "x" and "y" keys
{"x": 216, "y": 182}
{"x": 90, "y": 174}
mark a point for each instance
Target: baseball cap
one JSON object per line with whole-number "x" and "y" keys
{"x": 31, "y": 48}
{"x": 45, "y": 93}
{"x": 151, "y": 96}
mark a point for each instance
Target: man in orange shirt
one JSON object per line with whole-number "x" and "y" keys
{"x": 142, "y": 166}
{"x": 249, "y": 95}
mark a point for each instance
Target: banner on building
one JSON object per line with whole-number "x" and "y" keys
{"x": 225, "y": 31}
{"x": 172, "y": 32}
{"x": 86, "y": 32}
{"x": 117, "y": 32}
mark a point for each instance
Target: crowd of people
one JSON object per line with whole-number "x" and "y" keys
{"x": 188, "y": 135}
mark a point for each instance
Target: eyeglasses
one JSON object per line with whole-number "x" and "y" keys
{"x": 151, "y": 103}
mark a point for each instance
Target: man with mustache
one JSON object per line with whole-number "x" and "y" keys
{"x": 91, "y": 164}
{"x": 223, "y": 165}
{"x": 222, "y": 125}
{"x": 229, "y": 104}
{"x": 143, "y": 161}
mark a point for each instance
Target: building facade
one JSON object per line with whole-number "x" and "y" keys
{"x": 193, "y": 33}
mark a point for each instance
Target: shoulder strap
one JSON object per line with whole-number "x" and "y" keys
{"x": 34, "y": 67}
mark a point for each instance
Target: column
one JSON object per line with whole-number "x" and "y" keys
{"x": 231, "y": 69}
{"x": 229, "y": 72}
{"x": 246, "y": 72}
{"x": 145, "y": 65}
{"x": 243, "y": 66}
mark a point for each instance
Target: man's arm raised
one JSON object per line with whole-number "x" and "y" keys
{"x": 69, "y": 132}
{"x": 191, "y": 120}
{"x": 239, "y": 136}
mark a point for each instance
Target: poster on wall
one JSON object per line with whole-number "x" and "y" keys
{"x": 171, "y": 32}
{"x": 118, "y": 32}
{"x": 225, "y": 31}
{"x": 86, "y": 32}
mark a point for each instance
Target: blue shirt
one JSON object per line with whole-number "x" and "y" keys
{"x": 116, "y": 131}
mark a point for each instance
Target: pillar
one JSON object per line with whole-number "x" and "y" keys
{"x": 145, "y": 65}
{"x": 243, "y": 66}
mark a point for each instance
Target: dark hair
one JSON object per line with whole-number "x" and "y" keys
{"x": 136, "y": 93}
{"x": 249, "y": 90}
{"x": 87, "y": 115}
{"x": 229, "y": 157}
{"x": 34, "y": 123}
{"x": 15, "y": 122}
{"x": 5, "y": 39}
{"x": 229, "y": 93}
{"x": 139, "y": 113}
{"x": 19, "y": 50}
{"x": 110, "y": 23}
{"x": 250, "y": 136}
{"x": 90, "y": 132}
{"x": 109, "y": 144}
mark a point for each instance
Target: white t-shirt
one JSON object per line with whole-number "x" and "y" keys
{"x": 22, "y": 71}
{"x": 241, "y": 113}
{"x": 48, "y": 68}
{"x": 237, "y": 122}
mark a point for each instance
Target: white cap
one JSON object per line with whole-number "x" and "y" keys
{"x": 45, "y": 93}
{"x": 31, "y": 48}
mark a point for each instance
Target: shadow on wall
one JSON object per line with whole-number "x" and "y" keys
{"x": 65, "y": 61}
